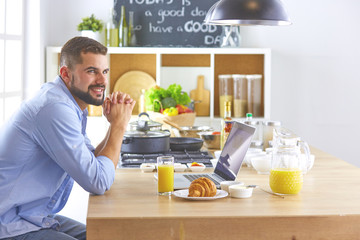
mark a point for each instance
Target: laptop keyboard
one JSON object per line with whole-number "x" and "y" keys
{"x": 192, "y": 177}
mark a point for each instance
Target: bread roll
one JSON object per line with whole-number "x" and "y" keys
{"x": 202, "y": 187}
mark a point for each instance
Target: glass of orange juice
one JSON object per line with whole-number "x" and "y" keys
{"x": 165, "y": 168}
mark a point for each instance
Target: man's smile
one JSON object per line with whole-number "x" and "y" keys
{"x": 97, "y": 89}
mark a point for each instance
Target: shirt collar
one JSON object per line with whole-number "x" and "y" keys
{"x": 58, "y": 81}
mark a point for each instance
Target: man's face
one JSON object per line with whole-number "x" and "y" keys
{"x": 89, "y": 80}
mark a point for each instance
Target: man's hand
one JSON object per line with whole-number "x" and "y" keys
{"x": 118, "y": 105}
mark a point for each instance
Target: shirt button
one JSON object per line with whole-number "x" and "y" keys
{"x": 47, "y": 224}
{"x": 53, "y": 201}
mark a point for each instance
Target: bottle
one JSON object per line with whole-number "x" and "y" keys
{"x": 131, "y": 37}
{"x": 226, "y": 123}
{"x": 248, "y": 117}
{"x": 123, "y": 29}
{"x": 257, "y": 140}
{"x": 142, "y": 101}
{"x": 111, "y": 31}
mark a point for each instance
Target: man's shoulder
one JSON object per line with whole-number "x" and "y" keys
{"x": 50, "y": 101}
{"x": 51, "y": 94}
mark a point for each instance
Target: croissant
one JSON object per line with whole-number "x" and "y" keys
{"x": 202, "y": 187}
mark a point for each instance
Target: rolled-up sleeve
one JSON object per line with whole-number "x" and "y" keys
{"x": 59, "y": 133}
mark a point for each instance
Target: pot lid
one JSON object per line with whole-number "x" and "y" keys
{"x": 145, "y": 124}
{"x": 148, "y": 134}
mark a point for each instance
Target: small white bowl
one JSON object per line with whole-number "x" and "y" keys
{"x": 226, "y": 184}
{"x": 196, "y": 168}
{"x": 214, "y": 162}
{"x": 239, "y": 191}
{"x": 250, "y": 155}
{"x": 262, "y": 164}
{"x": 178, "y": 167}
{"x": 147, "y": 167}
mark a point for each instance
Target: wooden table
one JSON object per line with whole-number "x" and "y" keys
{"x": 328, "y": 207}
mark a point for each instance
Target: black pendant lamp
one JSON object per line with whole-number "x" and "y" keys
{"x": 247, "y": 12}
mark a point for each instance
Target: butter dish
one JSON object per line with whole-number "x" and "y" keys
{"x": 226, "y": 184}
{"x": 239, "y": 191}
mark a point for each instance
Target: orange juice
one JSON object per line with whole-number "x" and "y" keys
{"x": 165, "y": 178}
{"x": 286, "y": 180}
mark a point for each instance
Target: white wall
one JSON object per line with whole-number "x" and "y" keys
{"x": 315, "y": 79}
{"x": 314, "y": 65}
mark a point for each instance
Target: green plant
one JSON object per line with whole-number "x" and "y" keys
{"x": 90, "y": 23}
{"x": 155, "y": 95}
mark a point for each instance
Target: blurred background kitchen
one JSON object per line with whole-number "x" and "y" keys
{"x": 314, "y": 65}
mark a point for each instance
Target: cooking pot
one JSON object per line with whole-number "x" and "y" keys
{"x": 145, "y": 142}
{"x": 185, "y": 143}
{"x": 144, "y": 124}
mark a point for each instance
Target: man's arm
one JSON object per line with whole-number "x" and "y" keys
{"x": 118, "y": 110}
{"x": 102, "y": 143}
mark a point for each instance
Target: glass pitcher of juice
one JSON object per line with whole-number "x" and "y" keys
{"x": 288, "y": 164}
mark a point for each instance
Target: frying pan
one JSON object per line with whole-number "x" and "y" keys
{"x": 185, "y": 143}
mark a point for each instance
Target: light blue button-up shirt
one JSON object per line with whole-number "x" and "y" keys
{"x": 43, "y": 149}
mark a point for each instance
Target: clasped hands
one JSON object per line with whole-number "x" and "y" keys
{"x": 118, "y": 107}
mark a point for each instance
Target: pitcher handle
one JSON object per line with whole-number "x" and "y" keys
{"x": 306, "y": 149}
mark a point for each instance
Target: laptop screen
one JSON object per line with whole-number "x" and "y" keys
{"x": 234, "y": 151}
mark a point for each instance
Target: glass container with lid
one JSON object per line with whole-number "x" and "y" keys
{"x": 240, "y": 95}
{"x": 268, "y": 128}
{"x": 257, "y": 140}
{"x": 254, "y": 94}
{"x": 225, "y": 91}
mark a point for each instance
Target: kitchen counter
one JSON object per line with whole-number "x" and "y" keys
{"x": 326, "y": 208}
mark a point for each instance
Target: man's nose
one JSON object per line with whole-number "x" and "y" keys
{"x": 102, "y": 79}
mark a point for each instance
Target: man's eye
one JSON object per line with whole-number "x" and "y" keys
{"x": 91, "y": 71}
{"x": 105, "y": 72}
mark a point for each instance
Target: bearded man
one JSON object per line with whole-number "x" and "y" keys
{"x": 44, "y": 147}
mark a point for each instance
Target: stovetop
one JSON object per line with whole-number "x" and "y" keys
{"x": 134, "y": 160}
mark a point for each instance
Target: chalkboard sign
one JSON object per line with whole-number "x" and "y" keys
{"x": 171, "y": 23}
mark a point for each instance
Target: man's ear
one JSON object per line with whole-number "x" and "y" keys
{"x": 65, "y": 74}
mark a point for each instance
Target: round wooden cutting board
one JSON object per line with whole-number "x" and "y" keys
{"x": 132, "y": 82}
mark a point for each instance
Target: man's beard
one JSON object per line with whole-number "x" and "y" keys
{"x": 86, "y": 96}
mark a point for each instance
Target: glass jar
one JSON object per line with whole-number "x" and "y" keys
{"x": 254, "y": 94}
{"x": 230, "y": 36}
{"x": 257, "y": 140}
{"x": 268, "y": 128}
{"x": 240, "y": 95}
{"x": 225, "y": 91}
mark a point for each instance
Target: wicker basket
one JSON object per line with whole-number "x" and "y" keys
{"x": 182, "y": 120}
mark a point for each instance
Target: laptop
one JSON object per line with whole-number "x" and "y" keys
{"x": 229, "y": 162}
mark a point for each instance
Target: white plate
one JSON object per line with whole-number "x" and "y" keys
{"x": 184, "y": 194}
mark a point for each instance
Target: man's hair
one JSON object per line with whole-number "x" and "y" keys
{"x": 71, "y": 52}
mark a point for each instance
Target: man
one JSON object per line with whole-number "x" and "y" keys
{"x": 44, "y": 147}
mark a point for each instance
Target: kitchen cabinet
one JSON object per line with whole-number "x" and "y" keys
{"x": 182, "y": 66}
